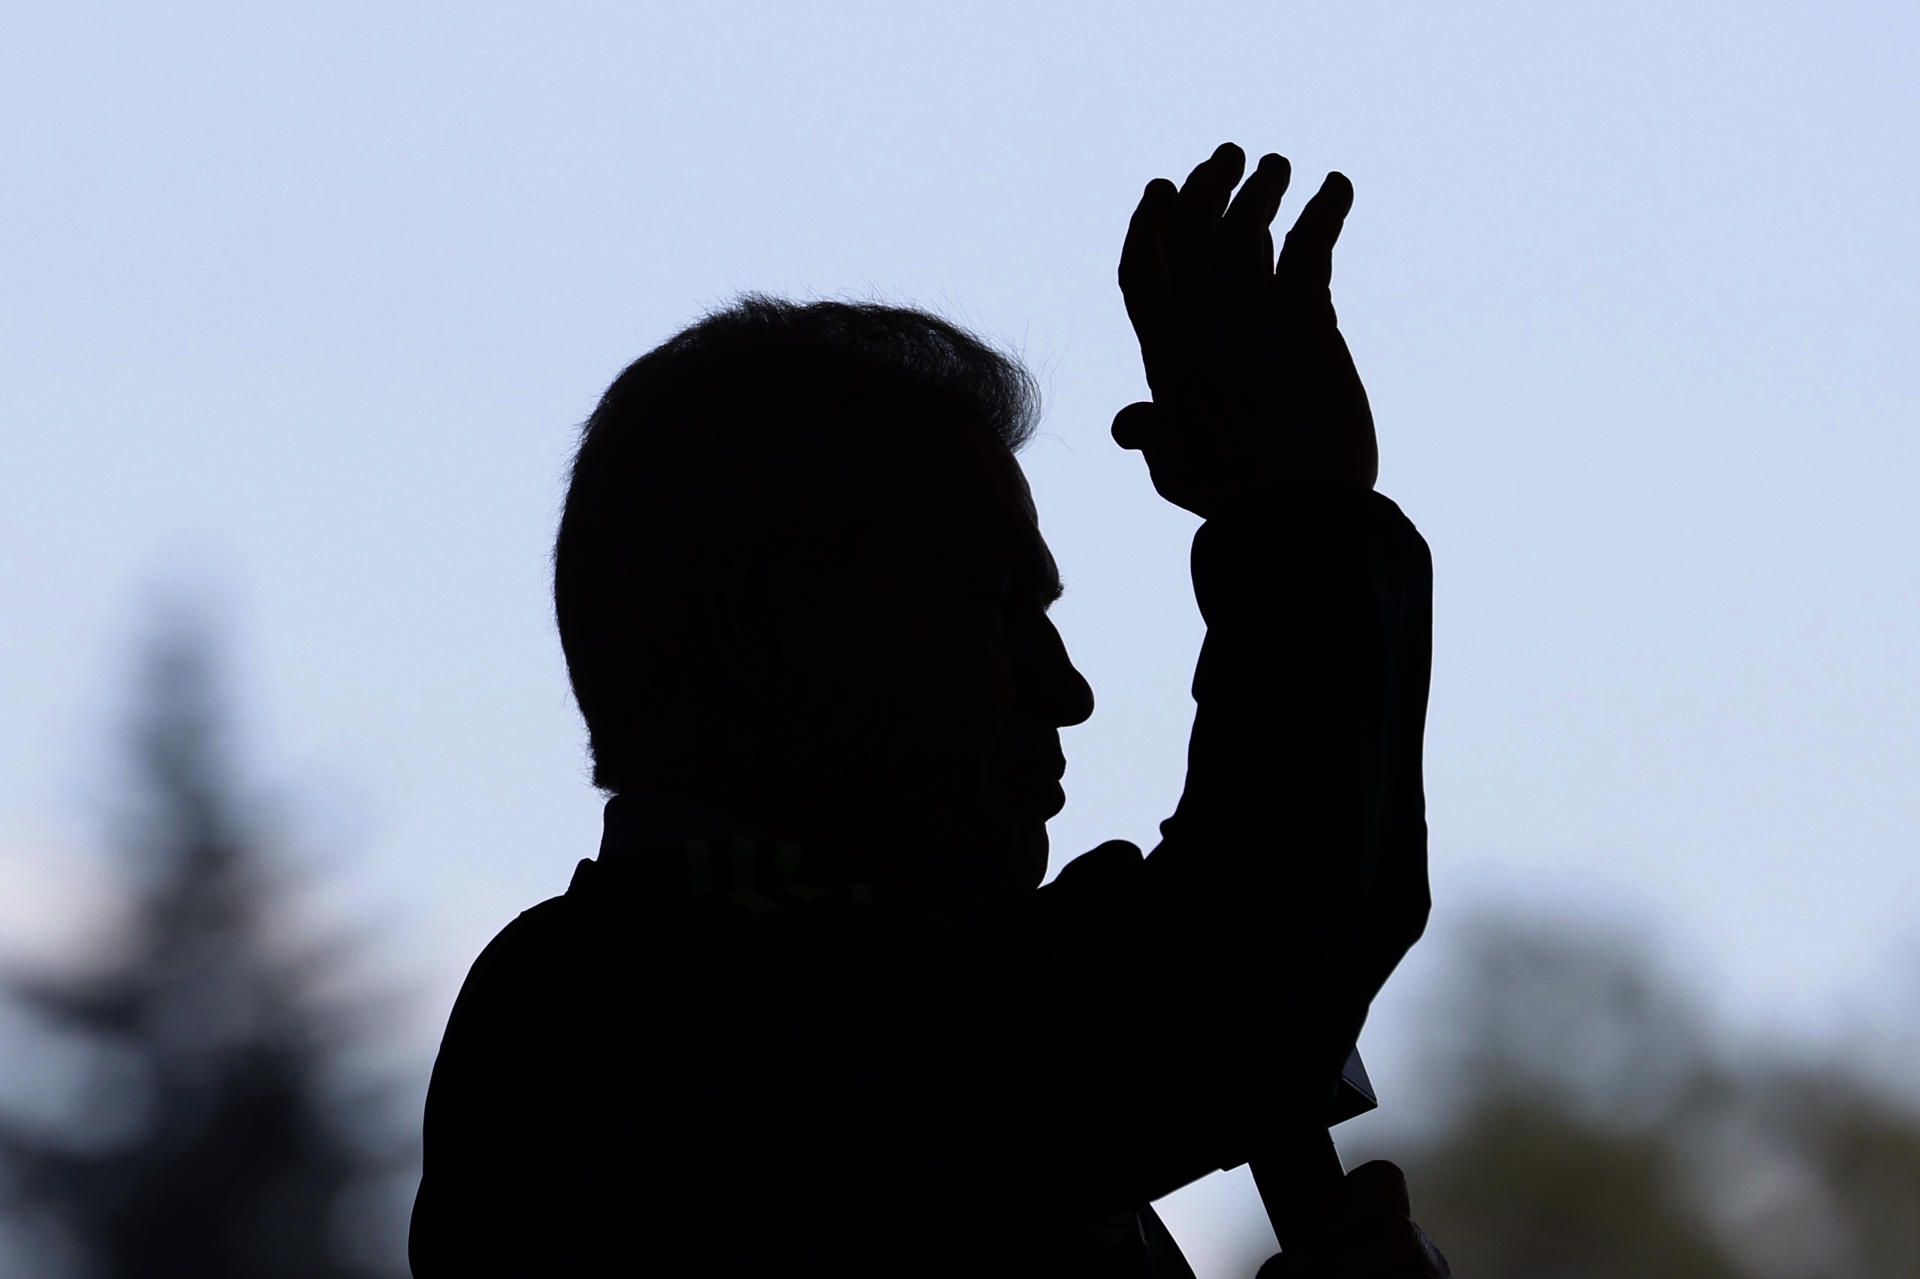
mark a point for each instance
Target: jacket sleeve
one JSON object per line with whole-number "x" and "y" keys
{"x": 1182, "y": 1005}
{"x": 1300, "y": 838}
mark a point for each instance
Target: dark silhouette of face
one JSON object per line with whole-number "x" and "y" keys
{"x": 921, "y": 684}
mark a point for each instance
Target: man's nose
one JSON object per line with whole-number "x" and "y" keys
{"x": 1079, "y": 707}
{"x": 1066, "y": 696}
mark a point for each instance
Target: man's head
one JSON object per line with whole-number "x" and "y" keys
{"x": 799, "y": 578}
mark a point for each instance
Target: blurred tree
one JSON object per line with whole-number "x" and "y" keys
{"x": 1529, "y": 1189}
{"x": 1869, "y": 1156}
{"x": 1595, "y": 1126}
{"x": 210, "y": 1139}
{"x": 1812, "y": 1172}
{"x": 1562, "y": 1062}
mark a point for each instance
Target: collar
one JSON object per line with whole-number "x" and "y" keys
{"x": 671, "y": 850}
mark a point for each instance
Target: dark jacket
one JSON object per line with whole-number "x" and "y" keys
{"x": 723, "y": 1053}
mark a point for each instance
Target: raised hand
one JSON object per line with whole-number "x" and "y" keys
{"x": 1252, "y": 382}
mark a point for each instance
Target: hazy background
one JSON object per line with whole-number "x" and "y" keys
{"x": 302, "y": 308}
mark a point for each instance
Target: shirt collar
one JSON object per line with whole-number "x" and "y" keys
{"x": 670, "y": 848}
{"x": 647, "y": 816}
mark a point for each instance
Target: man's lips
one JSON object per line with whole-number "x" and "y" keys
{"x": 1058, "y": 800}
{"x": 1034, "y": 782}
{"x": 1044, "y": 794}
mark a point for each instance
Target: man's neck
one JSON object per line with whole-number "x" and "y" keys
{"x": 672, "y": 815}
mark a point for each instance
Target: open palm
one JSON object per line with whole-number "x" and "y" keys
{"x": 1252, "y": 382}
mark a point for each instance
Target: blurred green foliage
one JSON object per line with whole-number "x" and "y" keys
{"x": 1595, "y": 1124}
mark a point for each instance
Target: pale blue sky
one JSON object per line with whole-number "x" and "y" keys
{"x": 304, "y": 305}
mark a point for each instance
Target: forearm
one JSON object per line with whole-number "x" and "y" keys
{"x": 1302, "y": 821}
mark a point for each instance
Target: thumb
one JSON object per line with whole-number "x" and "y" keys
{"x": 1097, "y": 865}
{"x": 1374, "y": 1188}
{"x": 1133, "y": 425}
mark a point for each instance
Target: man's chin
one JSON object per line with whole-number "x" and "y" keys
{"x": 1006, "y": 858}
{"x": 1016, "y": 838}
{"x": 1036, "y": 847}
{"x": 988, "y": 854}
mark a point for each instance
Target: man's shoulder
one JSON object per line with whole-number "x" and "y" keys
{"x": 570, "y": 965}
{"x": 539, "y": 937}
{"x": 517, "y": 977}
{"x": 509, "y": 1124}
{"x": 551, "y": 940}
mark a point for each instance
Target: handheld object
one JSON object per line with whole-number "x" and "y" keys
{"x": 1297, "y": 1171}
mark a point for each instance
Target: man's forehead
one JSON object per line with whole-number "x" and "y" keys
{"x": 1026, "y": 497}
{"x": 969, "y": 497}
{"x": 970, "y": 461}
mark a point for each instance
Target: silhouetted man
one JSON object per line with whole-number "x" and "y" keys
{"x": 809, "y": 1009}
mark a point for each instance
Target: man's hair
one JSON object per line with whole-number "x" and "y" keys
{"x": 751, "y": 430}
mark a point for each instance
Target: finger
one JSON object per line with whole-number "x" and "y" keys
{"x": 1378, "y": 1186}
{"x": 1203, "y": 197}
{"x": 1259, "y": 199}
{"x": 1146, "y": 280}
{"x": 1143, "y": 254}
{"x": 1133, "y": 425}
{"x": 1246, "y": 242}
{"x": 1306, "y": 259}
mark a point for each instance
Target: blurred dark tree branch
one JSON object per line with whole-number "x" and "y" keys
{"x": 211, "y": 1137}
